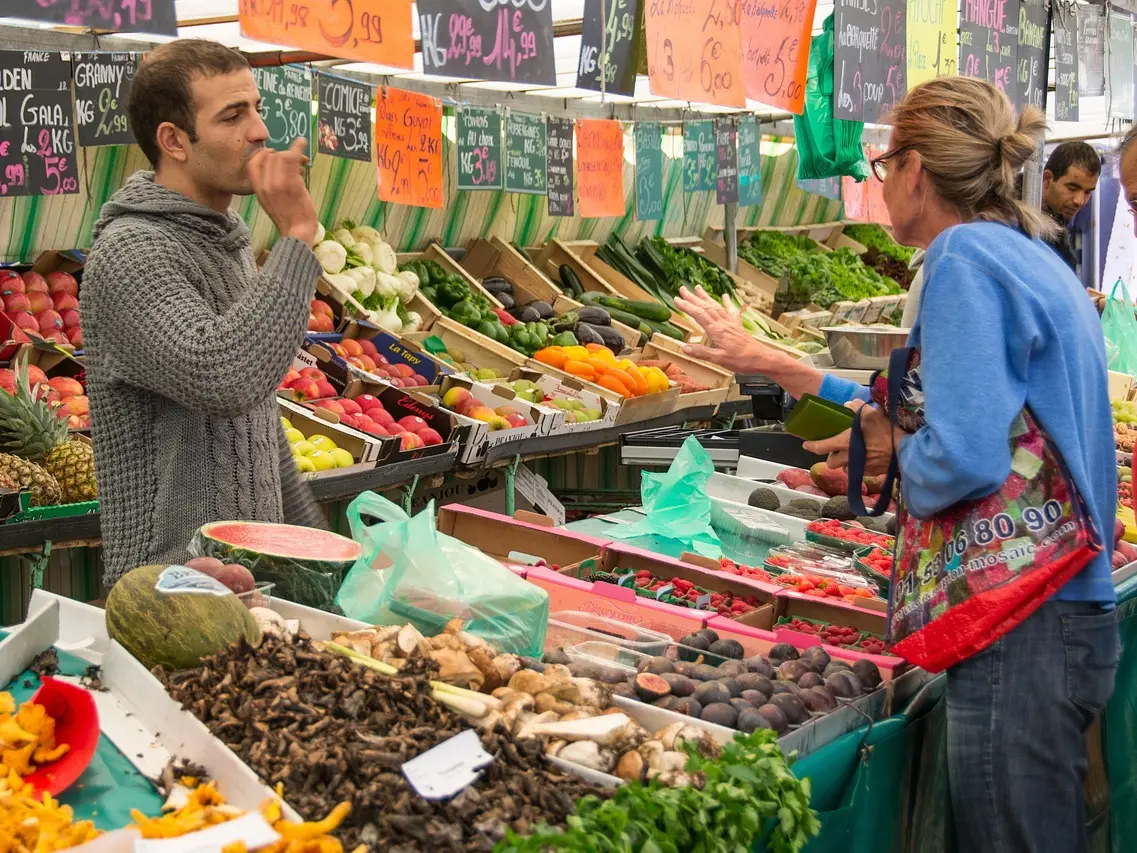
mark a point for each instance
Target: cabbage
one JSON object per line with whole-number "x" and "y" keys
{"x": 364, "y": 278}
{"x": 344, "y": 238}
{"x": 331, "y": 255}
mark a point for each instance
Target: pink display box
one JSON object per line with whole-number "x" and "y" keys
{"x": 500, "y": 535}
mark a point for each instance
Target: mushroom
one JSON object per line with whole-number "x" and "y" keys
{"x": 631, "y": 767}
{"x": 471, "y": 641}
{"x": 456, "y": 668}
{"x": 681, "y": 779}
{"x": 652, "y": 753}
{"x": 548, "y": 702}
{"x": 515, "y": 705}
{"x": 672, "y": 760}
{"x": 408, "y": 639}
{"x": 527, "y": 721}
{"x": 527, "y": 681}
{"x": 588, "y": 753}
{"x": 270, "y": 622}
{"x": 502, "y": 692}
{"x": 553, "y": 747}
{"x": 491, "y": 721}
{"x": 506, "y": 667}
{"x": 557, "y": 670}
{"x": 604, "y": 730}
{"x": 482, "y": 659}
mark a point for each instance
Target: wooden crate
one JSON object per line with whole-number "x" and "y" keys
{"x": 717, "y": 379}
{"x": 492, "y": 257}
{"x": 429, "y": 313}
{"x": 558, "y": 252}
{"x": 765, "y": 282}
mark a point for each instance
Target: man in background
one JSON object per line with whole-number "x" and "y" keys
{"x": 1069, "y": 179}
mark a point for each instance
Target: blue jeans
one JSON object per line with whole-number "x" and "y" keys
{"x": 1017, "y": 715}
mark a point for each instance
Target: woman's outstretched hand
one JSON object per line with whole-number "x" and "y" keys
{"x": 727, "y": 342}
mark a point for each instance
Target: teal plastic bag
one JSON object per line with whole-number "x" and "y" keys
{"x": 677, "y": 504}
{"x": 1119, "y": 326}
{"x": 409, "y": 572}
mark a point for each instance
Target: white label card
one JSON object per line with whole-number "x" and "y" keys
{"x": 251, "y": 829}
{"x": 445, "y": 770}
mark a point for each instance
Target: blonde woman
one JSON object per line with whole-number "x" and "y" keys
{"x": 1003, "y": 328}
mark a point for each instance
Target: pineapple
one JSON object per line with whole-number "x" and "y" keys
{"x": 64, "y": 469}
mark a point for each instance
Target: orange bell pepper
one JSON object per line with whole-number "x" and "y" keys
{"x": 580, "y": 368}
{"x": 611, "y": 381}
{"x": 552, "y": 356}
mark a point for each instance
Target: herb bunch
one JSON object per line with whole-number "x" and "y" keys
{"x": 872, "y": 236}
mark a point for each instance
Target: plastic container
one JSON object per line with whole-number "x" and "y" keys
{"x": 259, "y": 596}
{"x": 607, "y": 655}
{"x": 844, "y": 544}
{"x": 573, "y": 627}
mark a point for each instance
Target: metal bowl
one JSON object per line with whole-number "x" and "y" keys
{"x": 863, "y": 347}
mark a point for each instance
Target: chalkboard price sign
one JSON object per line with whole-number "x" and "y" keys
{"x": 1034, "y": 53}
{"x": 102, "y": 90}
{"x": 488, "y": 40}
{"x": 649, "y": 171}
{"x": 749, "y": 162}
{"x": 1120, "y": 66}
{"x": 560, "y": 132}
{"x": 1065, "y": 34}
{"x": 1091, "y": 50}
{"x": 479, "y": 149}
{"x": 343, "y": 120}
{"x": 726, "y": 162}
{"x": 286, "y": 104}
{"x": 870, "y": 58}
{"x": 698, "y": 156}
{"x": 619, "y": 39}
{"x": 156, "y": 17}
{"x": 526, "y": 153}
{"x": 988, "y": 43}
{"x": 37, "y": 125}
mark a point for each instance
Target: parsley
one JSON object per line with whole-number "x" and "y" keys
{"x": 748, "y": 790}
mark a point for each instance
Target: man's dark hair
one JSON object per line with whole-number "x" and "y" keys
{"x": 1070, "y": 154}
{"x": 160, "y": 91}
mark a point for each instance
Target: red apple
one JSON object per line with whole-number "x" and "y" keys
{"x": 38, "y": 302}
{"x": 56, "y": 336}
{"x": 16, "y": 302}
{"x": 368, "y": 347}
{"x": 325, "y": 389}
{"x": 516, "y": 419}
{"x": 290, "y": 377}
{"x": 410, "y": 441}
{"x": 381, "y": 415}
{"x": 76, "y": 422}
{"x": 70, "y": 318}
{"x": 319, "y": 306}
{"x": 413, "y": 423}
{"x": 34, "y": 281}
{"x": 305, "y": 389}
{"x": 367, "y": 362}
{"x": 429, "y": 436}
{"x": 312, "y": 373}
{"x": 36, "y": 376}
{"x": 66, "y": 386}
{"x": 351, "y": 407}
{"x": 61, "y": 282}
{"x": 25, "y": 320}
{"x": 77, "y": 406}
{"x": 331, "y": 406}
{"x": 65, "y": 302}
{"x": 75, "y": 336}
{"x": 10, "y": 282}
{"x": 368, "y": 402}
{"x": 50, "y": 321}
{"x": 8, "y": 380}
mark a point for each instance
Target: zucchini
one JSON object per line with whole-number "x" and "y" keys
{"x": 644, "y": 310}
{"x": 570, "y": 280}
{"x": 624, "y": 317}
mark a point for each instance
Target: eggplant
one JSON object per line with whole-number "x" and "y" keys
{"x": 611, "y": 338}
{"x": 496, "y": 284}
{"x": 525, "y": 314}
{"x": 543, "y": 308}
{"x": 593, "y": 315}
{"x": 506, "y": 299}
{"x": 588, "y": 335}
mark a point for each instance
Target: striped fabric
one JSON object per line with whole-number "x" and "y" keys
{"x": 346, "y": 189}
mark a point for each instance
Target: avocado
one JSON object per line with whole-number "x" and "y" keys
{"x": 764, "y": 498}
{"x": 838, "y": 508}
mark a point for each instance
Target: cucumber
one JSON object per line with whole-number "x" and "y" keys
{"x": 653, "y": 311}
{"x": 570, "y": 280}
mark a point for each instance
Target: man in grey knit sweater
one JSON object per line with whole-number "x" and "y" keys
{"x": 186, "y": 341}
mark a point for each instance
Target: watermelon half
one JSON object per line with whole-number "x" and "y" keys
{"x": 307, "y": 565}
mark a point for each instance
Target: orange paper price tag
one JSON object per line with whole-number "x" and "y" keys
{"x": 855, "y": 197}
{"x": 408, "y": 148}
{"x": 694, "y": 51}
{"x": 600, "y": 167}
{"x": 775, "y": 50}
{"x": 376, "y": 31}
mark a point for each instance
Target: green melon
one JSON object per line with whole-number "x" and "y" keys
{"x": 172, "y": 617}
{"x": 307, "y": 565}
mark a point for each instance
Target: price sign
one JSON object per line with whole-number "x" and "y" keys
{"x": 479, "y": 149}
{"x": 1064, "y": 26}
{"x": 726, "y": 162}
{"x": 870, "y": 58}
{"x": 526, "y": 152}
{"x": 559, "y": 193}
{"x": 408, "y": 148}
{"x": 343, "y": 117}
{"x": 286, "y": 104}
{"x": 37, "y": 125}
{"x": 506, "y": 40}
{"x": 1120, "y": 66}
{"x": 157, "y": 17}
{"x": 102, "y": 90}
{"x": 749, "y": 161}
{"x": 988, "y": 43}
{"x": 619, "y": 37}
{"x": 698, "y": 156}
{"x": 376, "y": 31}
{"x": 1033, "y": 62}
{"x": 694, "y": 51}
{"x": 829, "y": 188}
{"x": 775, "y": 50}
{"x": 649, "y": 171}
{"x": 933, "y": 40}
{"x": 856, "y": 199}
{"x": 600, "y": 161}
{"x": 1091, "y": 50}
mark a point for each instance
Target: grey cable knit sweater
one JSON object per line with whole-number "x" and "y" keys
{"x": 186, "y": 342}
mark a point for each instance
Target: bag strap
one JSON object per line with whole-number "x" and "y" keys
{"x": 897, "y": 368}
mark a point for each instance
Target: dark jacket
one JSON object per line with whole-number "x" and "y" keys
{"x": 1063, "y": 243}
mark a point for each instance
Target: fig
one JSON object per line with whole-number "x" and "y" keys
{"x": 844, "y": 684}
{"x": 754, "y": 681}
{"x": 711, "y": 692}
{"x": 792, "y": 707}
{"x": 704, "y": 672}
{"x": 816, "y": 658}
{"x": 752, "y": 719}
{"x": 755, "y": 697}
{"x": 680, "y": 685}
{"x": 667, "y": 702}
{"x": 835, "y": 666}
{"x": 732, "y": 686}
{"x": 826, "y": 690}
{"x": 792, "y": 670}
{"x": 740, "y": 705}
{"x": 720, "y": 713}
{"x": 778, "y": 687}
{"x": 695, "y": 642}
{"x": 816, "y": 701}
{"x": 732, "y": 668}
{"x": 656, "y": 665}
{"x": 810, "y": 679}
{"x": 868, "y": 673}
{"x": 782, "y": 652}
{"x": 688, "y": 705}
{"x": 760, "y": 665}
{"x": 727, "y": 649}
{"x": 626, "y": 690}
{"x": 711, "y": 635}
{"x": 775, "y": 717}
{"x": 684, "y": 667}
{"x": 650, "y": 687}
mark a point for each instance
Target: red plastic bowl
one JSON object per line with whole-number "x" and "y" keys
{"x": 76, "y": 724}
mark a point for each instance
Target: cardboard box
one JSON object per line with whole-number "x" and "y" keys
{"x": 542, "y": 421}
{"x": 512, "y": 540}
{"x": 319, "y": 356}
{"x": 368, "y": 450}
{"x": 399, "y": 350}
{"x": 793, "y": 604}
{"x": 399, "y": 403}
{"x": 575, "y": 389}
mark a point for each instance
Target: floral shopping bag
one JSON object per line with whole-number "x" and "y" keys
{"x": 962, "y": 579}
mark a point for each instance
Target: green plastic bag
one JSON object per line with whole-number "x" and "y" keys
{"x": 409, "y": 572}
{"x": 827, "y": 146}
{"x": 677, "y": 504}
{"x": 1119, "y": 326}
